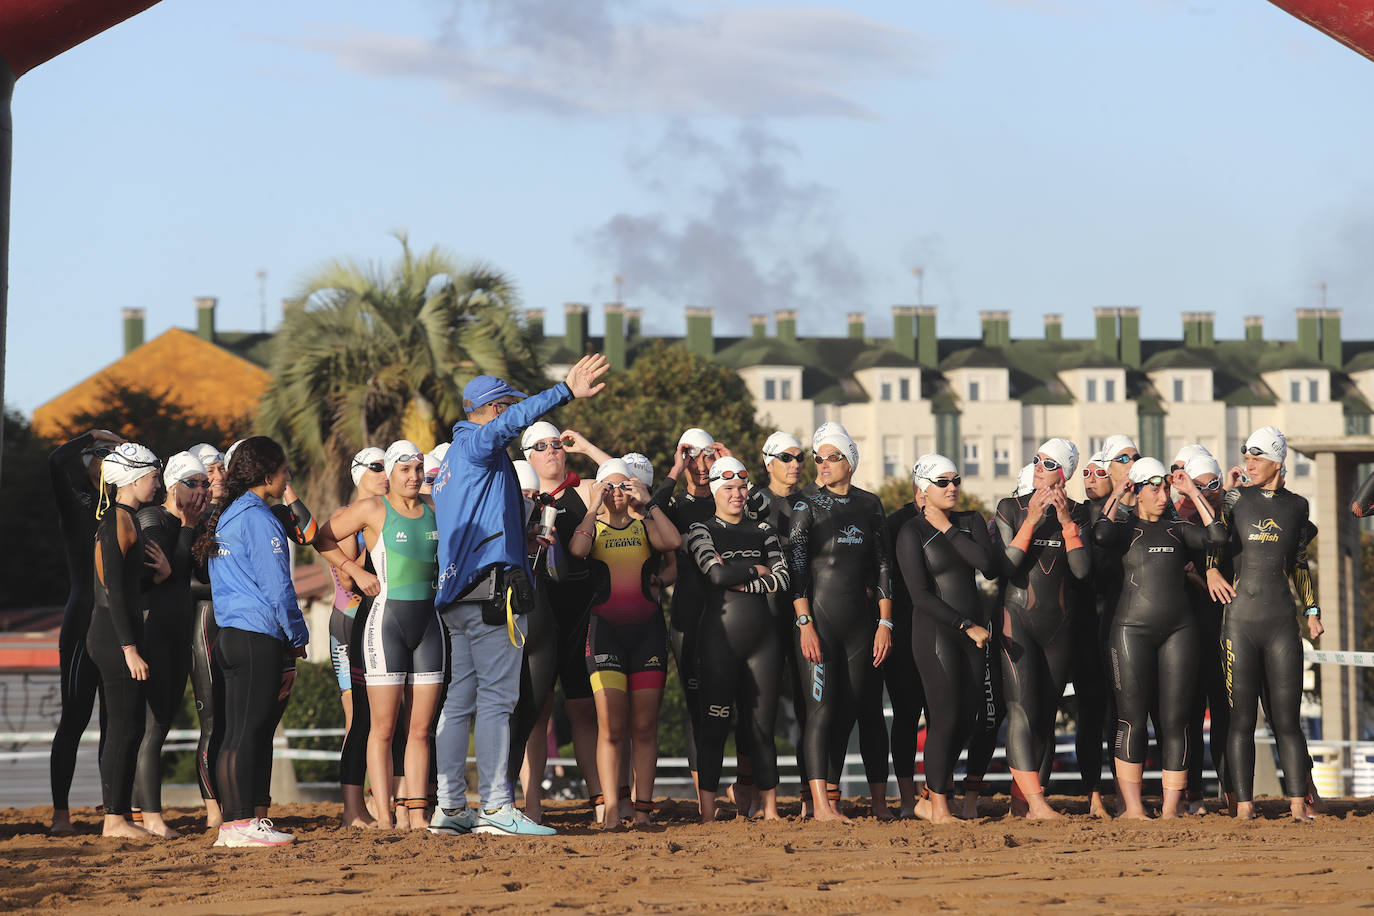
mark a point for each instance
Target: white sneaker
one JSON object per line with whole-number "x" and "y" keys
{"x": 457, "y": 824}
{"x": 257, "y": 832}
{"x": 510, "y": 821}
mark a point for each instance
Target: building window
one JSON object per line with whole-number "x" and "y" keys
{"x": 892, "y": 457}
{"x": 1302, "y": 467}
{"x": 974, "y": 393}
{"x": 770, "y": 390}
{"x": 886, "y": 389}
{"x": 1313, "y": 390}
{"x": 971, "y": 459}
{"x": 1295, "y": 392}
{"x": 1001, "y": 459}
{"x": 904, "y": 389}
{"x": 1109, "y": 390}
{"x": 787, "y": 389}
{"x": 1095, "y": 444}
{"x": 1092, "y": 389}
{"x": 1178, "y": 389}
{"x": 1357, "y": 424}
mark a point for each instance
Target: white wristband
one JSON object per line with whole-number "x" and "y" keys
{"x": 884, "y": 622}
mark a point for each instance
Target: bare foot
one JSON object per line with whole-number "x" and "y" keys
{"x": 1141, "y": 815}
{"x": 830, "y": 814}
{"x": 771, "y": 815}
{"x": 1302, "y": 812}
{"x": 359, "y": 822}
{"x": 159, "y": 828}
{"x": 883, "y": 813}
{"x": 1245, "y": 811}
{"x": 1097, "y": 807}
{"x": 61, "y": 824}
{"x": 125, "y": 830}
{"x": 1039, "y": 810}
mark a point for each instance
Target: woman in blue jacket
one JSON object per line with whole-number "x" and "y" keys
{"x": 259, "y": 619}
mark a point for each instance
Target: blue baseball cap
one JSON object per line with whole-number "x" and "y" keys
{"x": 484, "y": 389}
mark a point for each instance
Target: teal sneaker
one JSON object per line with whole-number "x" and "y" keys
{"x": 510, "y": 821}
{"x": 460, "y": 822}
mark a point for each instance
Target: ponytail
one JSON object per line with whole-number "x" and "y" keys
{"x": 255, "y": 460}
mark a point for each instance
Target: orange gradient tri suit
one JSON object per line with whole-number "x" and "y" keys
{"x": 627, "y": 640}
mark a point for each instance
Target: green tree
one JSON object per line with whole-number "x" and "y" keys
{"x": 371, "y": 354}
{"x": 156, "y": 419}
{"x": 33, "y": 563}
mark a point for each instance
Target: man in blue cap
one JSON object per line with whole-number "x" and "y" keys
{"x": 481, "y": 529}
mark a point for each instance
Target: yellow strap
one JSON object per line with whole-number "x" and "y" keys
{"x": 513, "y": 628}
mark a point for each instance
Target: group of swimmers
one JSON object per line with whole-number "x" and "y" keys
{"x": 1155, "y": 609}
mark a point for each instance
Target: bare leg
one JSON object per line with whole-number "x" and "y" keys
{"x": 154, "y": 823}
{"x": 1128, "y": 786}
{"x": 612, "y": 711}
{"x": 536, "y": 759}
{"x": 582, "y": 716}
{"x": 385, "y": 703}
{"x": 644, "y": 706}
{"x": 768, "y": 804}
{"x": 120, "y": 826}
{"x": 820, "y": 803}
{"x": 1299, "y": 809}
{"x": 214, "y": 817}
{"x": 934, "y": 807}
{"x": 424, "y": 702}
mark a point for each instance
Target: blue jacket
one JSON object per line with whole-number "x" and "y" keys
{"x": 250, "y": 576}
{"x": 477, "y": 496}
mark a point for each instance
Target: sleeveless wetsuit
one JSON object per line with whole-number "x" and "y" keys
{"x": 1269, "y": 533}
{"x": 838, "y": 553}
{"x": 740, "y": 656}
{"x": 938, "y": 571}
{"x": 626, "y": 638}
{"x": 403, "y": 641}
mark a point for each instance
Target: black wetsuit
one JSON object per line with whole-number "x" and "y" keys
{"x": 1268, "y": 533}
{"x": 207, "y": 680}
{"x": 1093, "y": 607}
{"x": 167, "y": 625}
{"x": 684, "y": 510}
{"x": 900, "y": 674}
{"x": 982, "y": 744}
{"x": 570, "y": 598}
{"x": 353, "y": 752}
{"x": 1037, "y": 641}
{"x": 740, "y": 655}
{"x": 117, "y": 621}
{"x": 838, "y": 552}
{"x": 538, "y": 666}
{"x": 1210, "y": 693}
{"x": 76, "y": 499}
{"x": 1155, "y": 634}
{"x": 938, "y": 570}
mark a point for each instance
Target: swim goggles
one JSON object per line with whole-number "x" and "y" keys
{"x": 822, "y": 459}
{"x": 1123, "y": 458}
{"x": 1099, "y": 473}
{"x": 556, "y": 445}
{"x": 1048, "y": 464}
{"x": 730, "y": 475}
{"x": 371, "y": 466}
{"x": 784, "y": 457}
{"x": 943, "y": 482}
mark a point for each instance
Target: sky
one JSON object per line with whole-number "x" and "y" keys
{"x": 1031, "y": 155}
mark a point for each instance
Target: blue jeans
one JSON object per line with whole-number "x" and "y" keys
{"x": 483, "y": 687}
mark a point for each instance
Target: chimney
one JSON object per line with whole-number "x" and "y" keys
{"x": 1054, "y": 326}
{"x": 133, "y": 329}
{"x": 1105, "y": 319}
{"x": 1331, "y": 338}
{"x": 1199, "y": 329}
{"x": 634, "y": 322}
{"x": 700, "y": 339}
{"x": 1130, "y": 336}
{"x": 205, "y": 317}
{"x": 927, "y": 344}
{"x": 1254, "y": 327}
{"x": 758, "y": 326}
{"x": 575, "y": 328}
{"x": 534, "y": 324}
{"x": 1309, "y": 333}
{"x": 904, "y": 330}
{"x": 613, "y": 343}
{"x": 856, "y": 325}
{"x": 996, "y": 328}
{"x": 786, "y": 322}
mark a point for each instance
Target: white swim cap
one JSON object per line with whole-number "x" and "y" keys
{"x": 827, "y": 428}
{"x": 1099, "y": 458}
{"x": 1117, "y": 444}
{"x": 1271, "y": 443}
{"x": 613, "y": 466}
{"x": 1025, "y": 481}
{"x": 537, "y": 432}
{"x": 696, "y": 437}
{"x": 778, "y": 443}
{"x": 1064, "y": 452}
{"x": 929, "y": 467}
{"x": 1198, "y": 465}
{"x": 229, "y": 453}
{"x": 431, "y": 465}
{"x": 181, "y": 466}
{"x": 359, "y": 465}
{"x": 524, "y": 471}
{"x": 440, "y": 451}
{"x": 1146, "y": 468}
{"x": 400, "y": 452}
{"x": 640, "y": 466}
{"x": 207, "y": 454}
{"x": 1189, "y": 452}
{"x": 128, "y": 462}
{"x": 732, "y": 466}
{"x": 837, "y": 437}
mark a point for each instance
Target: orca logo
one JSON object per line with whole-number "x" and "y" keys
{"x": 818, "y": 682}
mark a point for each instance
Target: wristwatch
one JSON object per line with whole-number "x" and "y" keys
{"x": 803, "y": 619}
{"x": 965, "y": 624}
{"x": 1314, "y": 611}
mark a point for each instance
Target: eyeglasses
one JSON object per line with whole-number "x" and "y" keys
{"x": 822, "y": 459}
{"x": 1099, "y": 473}
{"x": 731, "y": 475}
{"x": 785, "y": 457}
{"x": 944, "y": 482}
{"x": 370, "y": 465}
{"x": 1123, "y": 458}
{"x": 1155, "y": 481}
{"x": 1213, "y": 484}
{"x": 195, "y": 484}
{"x": 556, "y": 445}
{"x": 1048, "y": 464}
{"x": 1254, "y": 450}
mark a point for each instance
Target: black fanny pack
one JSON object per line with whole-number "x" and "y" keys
{"x": 511, "y": 593}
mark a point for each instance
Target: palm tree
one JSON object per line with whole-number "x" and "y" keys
{"x": 371, "y": 354}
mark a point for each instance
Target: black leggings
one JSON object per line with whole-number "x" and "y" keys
{"x": 843, "y": 689}
{"x": 207, "y": 683}
{"x": 1260, "y": 654}
{"x": 167, "y": 650}
{"x": 1210, "y": 694}
{"x": 1146, "y": 662}
{"x": 741, "y": 670}
{"x": 992, "y": 711}
{"x": 1091, "y": 689}
{"x": 80, "y": 684}
{"x": 785, "y": 623}
{"x": 538, "y": 670}
{"x": 953, "y": 670}
{"x": 353, "y": 754}
{"x": 906, "y": 693}
{"x": 684, "y": 625}
{"x": 252, "y": 665}
{"x": 1035, "y": 666}
{"x": 123, "y": 700}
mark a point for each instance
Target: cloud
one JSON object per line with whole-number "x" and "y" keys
{"x": 749, "y": 238}
{"x": 608, "y": 57}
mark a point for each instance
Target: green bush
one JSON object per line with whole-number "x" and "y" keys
{"x": 315, "y": 704}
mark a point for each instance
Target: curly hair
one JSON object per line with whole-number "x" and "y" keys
{"x": 256, "y": 459}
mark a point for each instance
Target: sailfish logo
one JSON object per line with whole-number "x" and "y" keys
{"x": 850, "y": 535}
{"x": 1266, "y": 531}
